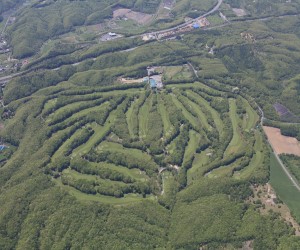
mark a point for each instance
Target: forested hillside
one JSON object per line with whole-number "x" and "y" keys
{"x": 134, "y": 143}
{"x": 8, "y": 4}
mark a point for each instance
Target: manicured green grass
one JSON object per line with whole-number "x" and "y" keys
{"x": 77, "y": 175}
{"x": 251, "y": 118}
{"x": 176, "y": 73}
{"x": 196, "y": 85}
{"x": 293, "y": 164}
{"x": 111, "y": 146}
{"x": 284, "y": 187}
{"x": 166, "y": 176}
{"x": 192, "y": 145}
{"x": 165, "y": 117}
{"x": 256, "y": 160}
{"x": 187, "y": 114}
{"x": 49, "y": 104}
{"x": 130, "y": 91}
{"x": 66, "y": 108}
{"x": 130, "y": 26}
{"x": 208, "y": 67}
{"x": 127, "y": 199}
{"x": 133, "y": 172}
{"x": 236, "y": 142}
{"x": 80, "y": 113}
{"x": 215, "y": 115}
{"x": 199, "y": 161}
{"x": 143, "y": 117}
{"x": 60, "y": 152}
{"x": 201, "y": 116}
{"x": 100, "y": 132}
{"x": 130, "y": 117}
{"x": 224, "y": 171}
{"x": 215, "y": 19}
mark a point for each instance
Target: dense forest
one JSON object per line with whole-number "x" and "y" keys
{"x": 94, "y": 157}
{"x": 6, "y": 5}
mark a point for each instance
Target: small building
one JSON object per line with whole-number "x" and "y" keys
{"x": 152, "y": 83}
{"x": 235, "y": 90}
{"x": 112, "y": 34}
{"x": 2, "y": 147}
{"x": 196, "y": 26}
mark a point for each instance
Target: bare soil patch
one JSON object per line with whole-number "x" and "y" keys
{"x": 139, "y": 17}
{"x": 280, "y": 143}
{"x": 265, "y": 199}
{"x": 128, "y": 80}
{"x": 239, "y": 12}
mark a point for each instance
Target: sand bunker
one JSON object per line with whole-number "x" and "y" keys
{"x": 280, "y": 143}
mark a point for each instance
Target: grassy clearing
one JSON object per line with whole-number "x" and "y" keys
{"x": 49, "y": 104}
{"x": 192, "y": 145}
{"x": 100, "y": 132}
{"x": 176, "y": 73}
{"x": 143, "y": 117}
{"x": 186, "y": 114}
{"x": 134, "y": 172}
{"x": 130, "y": 118}
{"x": 201, "y": 116}
{"x": 293, "y": 163}
{"x": 284, "y": 188}
{"x": 166, "y": 177}
{"x": 127, "y": 199}
{"x": 66, "y": 108}
{"x": 224, "y": 171}
{"x": 209, "y": 67}
{"x": 83, "y": 112}
{"x": 165, "y": 117}
{"x": 251, "y": 117}
{"x": 111, "y": 146}
{"x": 77, "y": 175}
{"x": 236, "y": 142}
{"x": 256, "y": 160}
{"x": 215, "y": 115}
{"x": 200, "y": 160}
{"x": 197, "y": 85}
{"x": 215, "y": 19}
{"x": 63, "y": 148}
{"x": 130, "y": 91}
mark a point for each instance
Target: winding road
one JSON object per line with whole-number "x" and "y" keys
{"x": 213, "y": 10}
{"x": 292, "y": 179}
{"x": 284, "y": 168}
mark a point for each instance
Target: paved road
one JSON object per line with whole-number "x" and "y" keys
{"x": 289, "y": 175}
{"x": 6, "y": 79}
{"x": 214, "y": 9}
{"x": 295, "y": 183}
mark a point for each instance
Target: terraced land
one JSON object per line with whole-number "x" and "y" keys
{"x": 136, "y": 144}
{"x": 99, "y": 163}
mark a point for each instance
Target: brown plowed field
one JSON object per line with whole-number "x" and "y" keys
{"x": 139, "y": 17}
{"x": 280, "y": 143}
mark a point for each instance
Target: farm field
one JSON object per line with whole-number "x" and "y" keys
{"x": 285, "y": 190}
{"x": 282, "y": 144}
